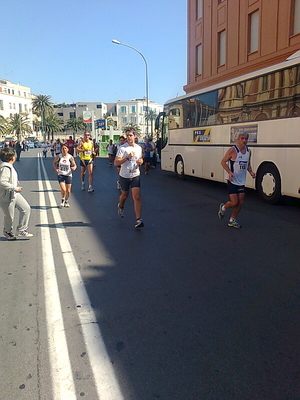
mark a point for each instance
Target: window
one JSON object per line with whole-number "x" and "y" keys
{"x": 254, "y": 32}
{"x": 8, "y": 91}
{"x": 1, "y": 104}
{"x": 124, "y": 120}
{"x": 10, "y": 106}
{"x": 222, "y": 48}
{"x": 60, "y": 114}
{"x": 123, "y": 109}
{"x": 20, "y": 107}
{"x": 14, "y": 106}
{"x": 12, "y": 91}
{"x": 199, "y": 9}
{"x": 26, "y": 108}
{"x": 296, "y": 13}
{"x": 199, "y": 60}
{"x": 133, "y": 109}
{"x": 99, "y": 105}
{"x": 133, "y": 120}
{"x": 72, "y": 114}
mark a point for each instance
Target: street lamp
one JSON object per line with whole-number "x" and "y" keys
{"x": 147, "y": 85}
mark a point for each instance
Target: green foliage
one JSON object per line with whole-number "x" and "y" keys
{"x": 17, "y": 125}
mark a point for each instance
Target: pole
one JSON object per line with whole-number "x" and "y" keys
{"x": 147, "y": 84}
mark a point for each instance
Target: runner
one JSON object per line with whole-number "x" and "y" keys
{"x": 129, "y": 157}
{"x": 236, "y": 162}
{"x": 122, "y": 140}
{"x": 64, "y": 164}
{"x": 71, "y": 144}
{"x": 86, "y": 153}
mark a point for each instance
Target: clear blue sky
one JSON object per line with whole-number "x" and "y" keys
{"x": 63, "y": 48}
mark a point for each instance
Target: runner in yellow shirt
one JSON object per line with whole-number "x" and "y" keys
{"x": 86, "y": 153}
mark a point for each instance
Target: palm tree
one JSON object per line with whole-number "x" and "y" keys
{"x": 52, "y": 124}
{"x": 40, "y": 106}
{"x": 2, "y": 124}
{"x": 75, "y": 125}
{"x": 151, "y": 117}
{"x": 17, "y": 125}
{"x": 132, "y": 126}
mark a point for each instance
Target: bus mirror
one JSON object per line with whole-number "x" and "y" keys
{"x": 161, "y": 114}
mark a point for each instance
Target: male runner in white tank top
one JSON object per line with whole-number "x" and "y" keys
{"x": 236, "y": 163}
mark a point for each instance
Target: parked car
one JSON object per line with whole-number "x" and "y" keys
{"x": 31, "y": 145}
{"x": 38, "y": 144}
{"x": 1, "y": 145}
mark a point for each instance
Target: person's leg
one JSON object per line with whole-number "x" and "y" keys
{"x": 82, "y": 173}
{"x": 90, "y": 171}
{"x": 63, "y": 190}
{"x": 24, "y": 210}
{"x": 123, "y": 197}
{"x": 9, "y": 212}
{"x": 68, "y": 191}
{"x": 137, "y": 202}
{"x": 238, "y": 206}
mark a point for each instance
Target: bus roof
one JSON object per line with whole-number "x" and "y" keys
{"x": 293, "y": 59}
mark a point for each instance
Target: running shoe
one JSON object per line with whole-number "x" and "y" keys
{"x": 234, "y": 224}
{"x": 139, "y": 223}
{"x": 91, "y": 190}
{"x": 67, "y": 204}
{"x": 221, "y": 213}
{"x": 25, "y": 234}
{"x": 120, "y": 211}
{"x": 9, "y": 235}
{"x": 82, "y": 186}
{"x": 62, "y": 204}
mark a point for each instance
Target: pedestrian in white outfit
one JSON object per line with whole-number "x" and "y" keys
{"x": 11, "y": 198}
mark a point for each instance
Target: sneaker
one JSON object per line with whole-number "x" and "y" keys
{"x": 25, "y": 234}
{"x": 139, "y": 223}
{"x": 120, "y": 211}
{"x": 62, "y": 204}
{"x": 118, "y": 185}
{"x": 221, "y": 213}
{"x": 67, "y": 204}
{"x": 9, "y": 235}
{"x": 90, "y": 189}
{"x": 82, "y": 186}
{"x": 146, "y": 173}
{"x": 234, "y": 224}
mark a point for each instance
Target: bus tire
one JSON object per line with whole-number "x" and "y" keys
{"x": 179, "y": 167}
{"x": 268, "y": 183}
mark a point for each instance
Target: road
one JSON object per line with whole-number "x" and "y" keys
{"x": 184, "y": 309}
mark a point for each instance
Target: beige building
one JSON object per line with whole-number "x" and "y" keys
{"x": 229, "y": 38}
{"x": 15, "y": 99}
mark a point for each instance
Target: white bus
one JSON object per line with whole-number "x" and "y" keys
{"x": 197, "y": 129}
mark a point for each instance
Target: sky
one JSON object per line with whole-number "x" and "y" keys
{"x": 64, "y": 49}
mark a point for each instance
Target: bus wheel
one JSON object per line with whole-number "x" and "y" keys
{"x": 179, "y": 167}
{"x": 268, "y": 183}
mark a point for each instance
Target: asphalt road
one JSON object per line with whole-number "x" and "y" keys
{"x": 184, "y": 309}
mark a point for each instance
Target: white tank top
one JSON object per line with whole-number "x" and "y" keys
{"x": 64, "y": 165}
{"x": 239, "y": 166}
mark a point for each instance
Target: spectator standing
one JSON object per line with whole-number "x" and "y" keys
{"x": 18, "y": 149}
{"x": 71, "y": 145}
{"x": 11, "y": 198}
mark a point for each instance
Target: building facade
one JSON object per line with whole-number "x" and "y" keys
{"x": 15, "y": 99}
{"x": 75, "y": 110}
{"x": 229, "y": 38}
{"x": 135, "y": 112}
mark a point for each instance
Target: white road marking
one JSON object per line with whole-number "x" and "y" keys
{"x": 61, "y": 372}
{"x": 104, "y": 376}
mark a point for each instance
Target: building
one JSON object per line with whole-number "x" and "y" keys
{"x": 15, "y": 99}
{"x": 75, "y": 110}
{"x": 134, "y": 112}
{"x": 229, "y": 38}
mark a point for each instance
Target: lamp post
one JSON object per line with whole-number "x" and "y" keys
{"x": 147, "y": 85}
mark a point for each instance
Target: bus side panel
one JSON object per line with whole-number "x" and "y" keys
{"x": 291, "y": 183}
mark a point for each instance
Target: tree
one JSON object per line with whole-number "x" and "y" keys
{"x": 2, "y": 124}
{"x": 52, "y": 124}
{"x": 135, "y": 127}
{"x": 17, "y": 125}
{"x": 75, "y": 125}
{"x": 40, "y": 106}
{"x": 151, "y": 117}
